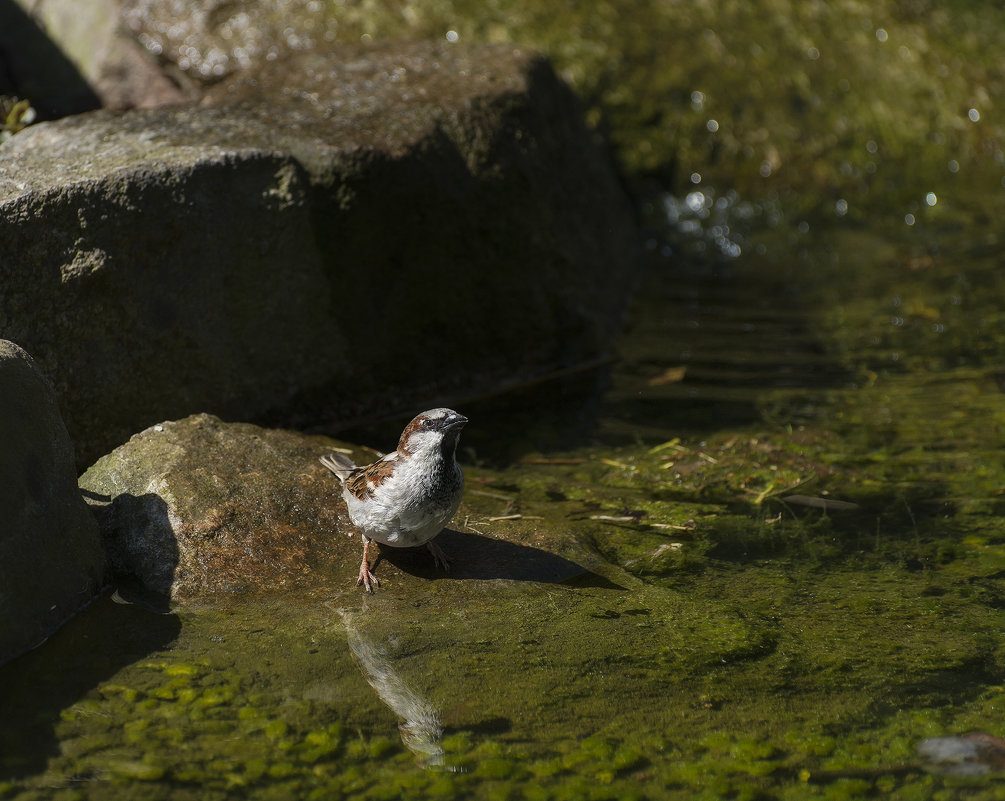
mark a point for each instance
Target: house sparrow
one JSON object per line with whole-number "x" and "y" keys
{"x": 407, "y": 497}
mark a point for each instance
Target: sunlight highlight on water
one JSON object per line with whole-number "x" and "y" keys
{"x": 709, "y": 222}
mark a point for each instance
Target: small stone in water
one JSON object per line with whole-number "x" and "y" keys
{"x": 973, "y": 754}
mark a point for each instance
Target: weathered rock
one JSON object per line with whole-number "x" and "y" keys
{"x": 51, "y": 560}
{"x": 202, "y": 509}
{"x": 384, "y": 226}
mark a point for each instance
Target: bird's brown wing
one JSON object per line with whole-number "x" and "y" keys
{"x": 364, "y": 480}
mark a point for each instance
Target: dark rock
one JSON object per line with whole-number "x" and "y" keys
{"x": 384, "y": 227}
{"x": 51, "y": 560}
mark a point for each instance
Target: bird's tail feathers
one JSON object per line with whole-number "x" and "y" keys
{"x": 340, "y": 464}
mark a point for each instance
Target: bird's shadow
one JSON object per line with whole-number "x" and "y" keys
{"x": 478, "y": 557}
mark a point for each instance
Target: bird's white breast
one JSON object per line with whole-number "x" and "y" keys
{"x": 411, "y": 506}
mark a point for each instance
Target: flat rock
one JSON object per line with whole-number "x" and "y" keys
{"x": 203, "y": 510}
{"x": 51, "y": 559}
{"x": 334, "y": 236}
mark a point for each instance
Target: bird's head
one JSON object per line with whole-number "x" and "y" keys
{"x": 433, "y": 432}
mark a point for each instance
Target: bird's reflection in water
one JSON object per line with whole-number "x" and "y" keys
{"x": 420, "y": 726}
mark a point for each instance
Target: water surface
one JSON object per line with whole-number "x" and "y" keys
{"x": 770, "y": 532}
{"x": 787, "y": 494}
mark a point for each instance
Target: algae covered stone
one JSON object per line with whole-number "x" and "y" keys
{"x": 51, "y": 560}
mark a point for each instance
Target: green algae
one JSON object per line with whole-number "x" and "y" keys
{"x": 723, "y": 641}
{"x": 573, "y": 723}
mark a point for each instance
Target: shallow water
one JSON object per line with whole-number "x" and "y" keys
{"x": 770, "y": 533}
{"x": 789, "y": 512}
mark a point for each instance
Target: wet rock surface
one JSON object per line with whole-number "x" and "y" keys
{"x": 51, "y": 560}
{"x": 323, "y": 238}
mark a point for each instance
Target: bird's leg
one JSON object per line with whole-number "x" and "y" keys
{"x": 439, "y": 558}
{"x": 366, "y": 576}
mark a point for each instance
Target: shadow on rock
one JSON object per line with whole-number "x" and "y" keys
{"x": 37, "y": 687}
{"x": 141, "y": 544}
{"x": 475, "y": 556}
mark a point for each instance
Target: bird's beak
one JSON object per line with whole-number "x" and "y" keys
{"x": 454, "y": 421}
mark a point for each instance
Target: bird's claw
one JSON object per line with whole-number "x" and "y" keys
{"x": 367, "y": 578}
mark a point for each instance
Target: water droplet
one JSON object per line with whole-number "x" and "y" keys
{"x": 841, "y": 207}
{"x": 974, "y": 115}
{"x": 909, "y": 219}
{"x": 712, "y": 126}
{"x": 696, "y": 178}
{"x": 452, "y": 36}
{"x": 954, "y": 165}
{"x": 871, "y": 146}
{"x": 765, "y": 169}
{"x": 931, "y": 199}
{"x": 882, "y": 35}
{"x": 813, "y": 54}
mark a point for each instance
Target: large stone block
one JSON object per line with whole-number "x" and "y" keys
{"x": 330, "y": 236}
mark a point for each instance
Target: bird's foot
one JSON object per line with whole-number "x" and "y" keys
{"x": 367, "y": 578}
{"x": 439, "y": 558}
